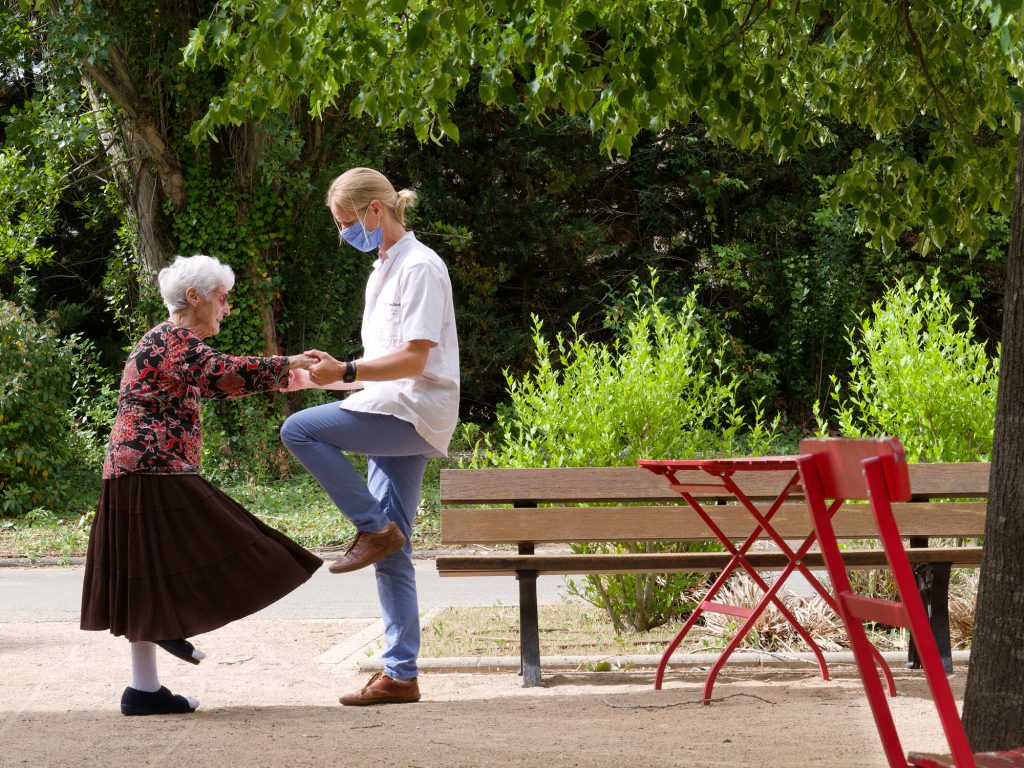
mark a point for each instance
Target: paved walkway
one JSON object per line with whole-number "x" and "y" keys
{"x": 46, "y": 594}
{"x": 54, "y": 594}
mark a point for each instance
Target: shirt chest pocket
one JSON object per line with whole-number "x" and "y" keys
{"x": 390, "y": 321}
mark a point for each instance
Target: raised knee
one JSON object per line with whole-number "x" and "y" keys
{"x": 291, "y": 433}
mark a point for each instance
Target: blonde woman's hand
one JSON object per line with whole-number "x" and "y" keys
{"x": 326, "y": 370}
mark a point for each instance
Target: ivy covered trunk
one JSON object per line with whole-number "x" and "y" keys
{"x": 994, "y": 700}
{"x": 146, "y": 171}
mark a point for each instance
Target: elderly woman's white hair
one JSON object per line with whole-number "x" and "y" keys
{"x": 204, "y": 273}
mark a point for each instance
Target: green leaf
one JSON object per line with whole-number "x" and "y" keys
{"x": 857, "y": 27}
{"x": 940, "y": 215}
{"x": 586, "y": 20}
{"x": 450, "y": 128}
{"x": 417, "y": 37}
{"x": 623, "y": 144}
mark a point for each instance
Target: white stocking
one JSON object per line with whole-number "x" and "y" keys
{"x": 144, "y": 676}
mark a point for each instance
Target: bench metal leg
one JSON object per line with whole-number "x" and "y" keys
{"x": 933, "y": 582}
{"x": 529, "y": 630}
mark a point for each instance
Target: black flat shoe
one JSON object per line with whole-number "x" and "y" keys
{"x": 162, "y": 702}
{"x": 181, "y": 648}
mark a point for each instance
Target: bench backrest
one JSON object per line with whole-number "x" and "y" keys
{"x": 637, "y": 505}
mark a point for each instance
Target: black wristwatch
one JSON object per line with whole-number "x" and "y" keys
{"x": 350, "y": 372}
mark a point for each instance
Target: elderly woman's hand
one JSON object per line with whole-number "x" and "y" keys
{"x": 298, "y": 378}
{"x": 301, "y": 361}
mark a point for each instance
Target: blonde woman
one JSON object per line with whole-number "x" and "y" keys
{"x": 403, "y": 412}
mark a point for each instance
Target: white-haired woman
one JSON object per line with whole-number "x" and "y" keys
{"x": 403, "y": 413}
{"x": 170, "y": 556}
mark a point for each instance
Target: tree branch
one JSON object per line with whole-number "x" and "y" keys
{"x": 121, "y": 90}
{"x": 106, "y": 82}
{"x": 950, "y": 115}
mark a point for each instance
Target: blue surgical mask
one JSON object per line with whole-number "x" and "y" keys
{"x": 359, "y": 238}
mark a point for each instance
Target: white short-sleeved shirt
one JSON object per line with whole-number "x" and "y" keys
{"x": 409, "y": 298}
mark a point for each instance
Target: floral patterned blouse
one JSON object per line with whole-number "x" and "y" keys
{"x": 168, "y": 373}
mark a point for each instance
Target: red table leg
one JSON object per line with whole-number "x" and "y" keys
{"x": 763, "y": 523}
{"x": 737, "y": 559}
{"x": 796, "y": 563}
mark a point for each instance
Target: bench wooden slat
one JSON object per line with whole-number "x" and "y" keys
{"x": 635, "y": 484}
{"x": 695, "y": 489}
{"x": 950, "y": 480}
{"x": 593, "y": 484}
{"x": 690, "y": 562}
{"x": 680, "y": 523}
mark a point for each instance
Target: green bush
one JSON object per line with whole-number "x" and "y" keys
{"x": 241, "y": 442}
{"x": 660, "y": 391}
{"x": 918, "y": 374}
{"x": 656, "y": 392}
{"x": 36, "y": 427}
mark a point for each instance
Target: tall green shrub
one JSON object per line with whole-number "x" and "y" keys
{"x": 661, "y": 390}
{"x": 918, "y": 373}
{"x": 36, "y": 373}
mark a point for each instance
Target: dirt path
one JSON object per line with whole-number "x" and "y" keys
{"x": 269, "y": 692}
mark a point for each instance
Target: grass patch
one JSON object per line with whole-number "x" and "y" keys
{"x": 576, "y": 628}
{"x": 572, "y": 628}
{"x": 298, "y": 508}
{"x": 43, "y": 533}
{"x": 301, "y": 510}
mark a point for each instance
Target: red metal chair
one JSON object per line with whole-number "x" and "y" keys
{"x": 876, "y": 469}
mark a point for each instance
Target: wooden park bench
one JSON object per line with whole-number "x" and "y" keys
{"x": 531, "y": 507}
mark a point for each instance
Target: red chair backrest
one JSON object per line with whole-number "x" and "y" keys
{"x": 839, "y": 461}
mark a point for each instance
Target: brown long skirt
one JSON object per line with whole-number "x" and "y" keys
{"x": 171, "y": 556}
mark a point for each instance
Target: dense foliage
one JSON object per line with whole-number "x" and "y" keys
{"x": 661, "y": 388}
{"x": 919, "y": 372}
{"x": 772, "y": 77}
{"x": 44, "y": 385}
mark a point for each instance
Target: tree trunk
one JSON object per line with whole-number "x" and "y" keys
{"x": 147, "y": 172}
{"x": 994, "y": 699}
{"x": 140, "y": 192}
{"x": 245, "y": 146}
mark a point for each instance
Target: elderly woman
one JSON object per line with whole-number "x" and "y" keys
{"x": 171, "y": 556}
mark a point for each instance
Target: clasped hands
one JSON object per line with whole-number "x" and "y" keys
{"x": 313, "y": 368}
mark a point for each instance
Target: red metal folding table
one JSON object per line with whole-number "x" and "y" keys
{"x": 720, "y": 474}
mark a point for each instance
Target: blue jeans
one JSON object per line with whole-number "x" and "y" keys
{"x": 397, "y": 457}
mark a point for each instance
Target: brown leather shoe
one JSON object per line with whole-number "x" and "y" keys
{"x": 368, "y": 548}
{"x": 383, "y": 690}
